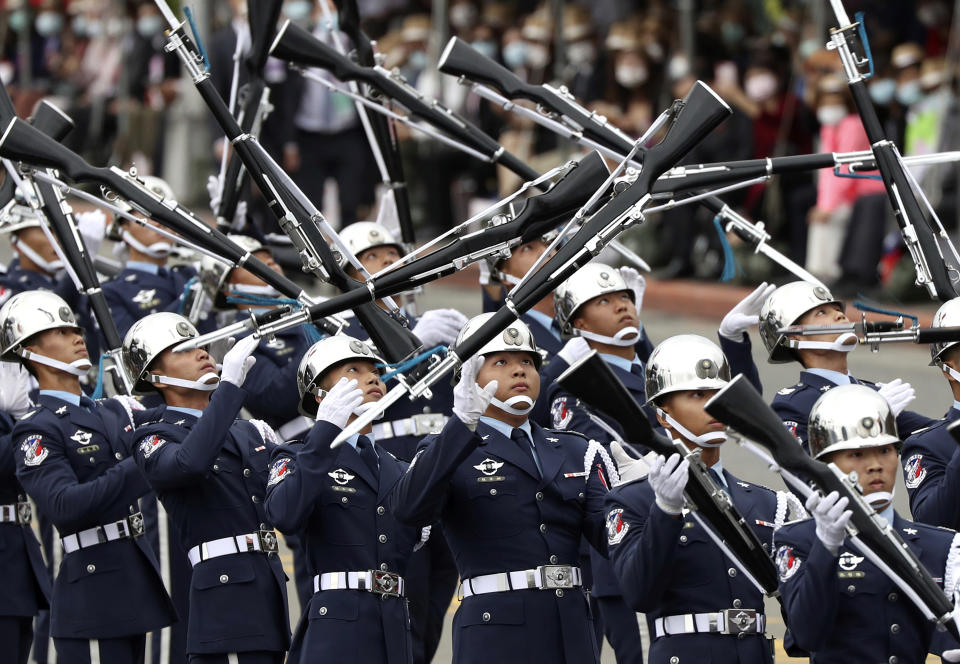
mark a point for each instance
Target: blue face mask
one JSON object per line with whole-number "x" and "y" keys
{"x": 732, "y": 33}
{"x": 49, "y": 23}
{"x": 297, "y": 10}
{"x": 515, "y": 54}
{"x": 486, "y": 48}
{"x": 333, "y": 24}
{"x": 79, "y": 25}
{"x": 417, "y": 60}
{"x": 882, "y": 91}
{"x": 909, "y": 93}
{"x": 148, "y": 26}
{"x": 18, "y": 20}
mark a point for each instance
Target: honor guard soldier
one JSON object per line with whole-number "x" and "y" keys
{"x": 514, "y": 501}
{"x": 839, "y": 605}
{"x": 667, "y": 564}
{"x": 931, "y": 461}
{"x": 336, "y": 498}
{"x": 210, "y": 472}
{"x": 73, "y": 459}
{"x": 146, "y": 284}
{"x": 25, "y": 579}
{"x": 823, "y": 357}
{"x": 431, "y": 575}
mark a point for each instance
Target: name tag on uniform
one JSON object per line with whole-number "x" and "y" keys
{"x": 580, "y": 474}
{"x": 343, "y": 489}
{"x": 491, "y": 478}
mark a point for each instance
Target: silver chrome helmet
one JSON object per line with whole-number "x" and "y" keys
{"x": 685, "y": 362}
{"x": 29, "y": 313}
{"x": 363, "y": 235}
{"x": 320, "y": 358}
{"x": 157, "y": 185}
{"x": 16, "y": 216}
{"x": 150, "y": 336}
{"x": 590, "y": 281}
{"x": 783, "y": 308}
{"x": 850, "y": 417}
{"x": 214, "y": 274}
{"x": 516, "y": 337}
{"x": 948, "y": 315}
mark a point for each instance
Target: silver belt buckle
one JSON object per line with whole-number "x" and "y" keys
{"x": 556, "y": 576}
{"x": 425, "y": 423}
{"x": 385, "y": 583}
{"x": 739, "y": 621}
{"x": 135, "y": 527}
{"x": 268, "y": 541}
{"x": 24, "y": 513}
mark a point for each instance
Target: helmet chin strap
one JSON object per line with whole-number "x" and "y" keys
{"x": 880, "y": 499}
{"x": 619, "y": 339}
{"x": 155, "y": 250}
{"x": 953, "y": 373}
{"x": 364, "y": 407}
{"x": 51, "y": 267}
{"x": 507, "y": 278}
{"x": 517, "y": 405}
{"x": 201, "y": 384}
{"x": 709, "y": 439}
{"x": 265, "y": 290}
{"x": 839, "y": 344}
{"x": 76, "y": 368}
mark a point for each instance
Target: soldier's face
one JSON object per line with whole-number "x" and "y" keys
{"x": 376, "y": 258}
{"x": 522, "y": 258}
{"x": 825, "y": 314}
{"x": 607, "y": 314}
{"x": 366, "y": 375}
{"x": 189, "y": 365}
{"x": 35, "y": 238}
{"x": 876, "y": 467}
{"x": 686, "y": 407}
{"x": 63, "y": 343}
{"x": 515, "y": 373}
{"x": 242, "y": 276}
{"x": 145, "y": 235}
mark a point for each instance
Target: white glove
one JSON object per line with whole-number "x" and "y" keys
{"x": 636, "y": 283}
{"x": 951, "y": 655}
{"x": 628, "y": 468}
{"x": 424, "y": 537}
{"x": 828, "y": 512}
{"x": 14, "y": 390}
{"x": 439, "y": 326}
{"x": 469, "y": 400}
{"x": 746, "y": 313}
{"x": 213, "y": 191}
{"x": 239, "y": 216}
{"x": 239, "y": 360}
{"x": 92, "y": 226}
{"x": 574, "y": 350}
{"x": 668, "y": 478}
{"x": 340, "y": 402}
{"x": 266, "y": 432}
{"x": 898, "y": 394}
{"x": 485, "y": 276}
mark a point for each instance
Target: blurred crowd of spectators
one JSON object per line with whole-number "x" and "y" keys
{"x": 103, "y": 60}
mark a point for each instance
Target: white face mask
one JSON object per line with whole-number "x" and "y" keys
{"x": 630, "y": 76}
{"x": 518, "y": 405}
{"x": 581, "y": 53}
{"x": 50, "y": 267}
{"x": 709, "y": 439}
{"x": 537, "y": 56}
{"x": 155, "y": 250}
{"x": 841, "y": 344}
{"x": 760, "y": 87}
{"x": 831, "y": 115}
{"x": 627, "y": 336}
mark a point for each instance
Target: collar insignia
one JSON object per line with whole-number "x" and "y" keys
{"x": 180, "y": 422}
{"x": 743, "y": 484}
{"x": 910, "y": 531}
{"x": 554, "y": 440}
{"x": 62, "y": 410}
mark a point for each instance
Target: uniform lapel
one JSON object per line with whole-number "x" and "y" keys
{"x": 390, "y": 472}
{"x": 909, "y": 534}
{"x": 632, "y": 382}
{"x": 549, "y": 453}
{"x": 494, "y": 442}
{"x": 78, "y": 415}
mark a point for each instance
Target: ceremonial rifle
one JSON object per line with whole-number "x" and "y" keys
{"x": 874, "y": 333}
{"x": 934, "y": 256}
{"x": 741, "y": 407}
{"x": 298, "y": 217}
{"x": 693, "y": 118}
{"x": 253, "y": 101}
{"x": 591, "y": 380}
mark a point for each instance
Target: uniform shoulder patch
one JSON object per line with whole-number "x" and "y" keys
{"x": 34, "y": 451}
{"x": 791, "y": 427}
{"x": 784, "y": 391}
{"x": 617, "y": 528}
{"x": 914, "y": 471}
{"x": 788, "y": 563}
{"x": 560, "y": 413}
{"x": 151, "y": 444}
{"x": 279, "y": 470}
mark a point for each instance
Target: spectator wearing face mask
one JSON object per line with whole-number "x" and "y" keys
{"x": 583, "y": 69}
{"x": 840, "y": 131}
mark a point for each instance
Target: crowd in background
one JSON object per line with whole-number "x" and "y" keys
{"x": 103, "y": 61}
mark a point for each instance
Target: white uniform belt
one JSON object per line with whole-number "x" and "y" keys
{"x": 545, "y": 577}
{"x": 416, "y": 425}
{"x": 127, "y": 528}
{"x": 264, "y": 541}
{"x": 294, "y": 428}
{"x": 726, "y": 621}
{"x": 20, "y": 513}
{"x": 371, "y": 580}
